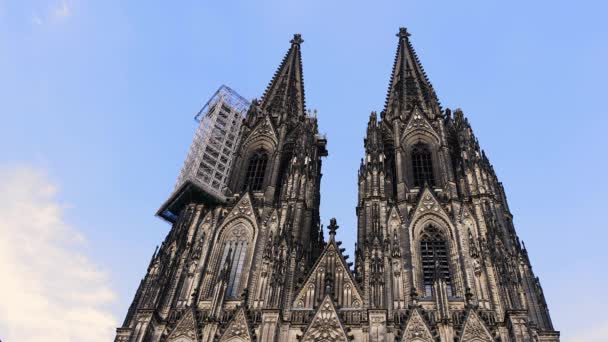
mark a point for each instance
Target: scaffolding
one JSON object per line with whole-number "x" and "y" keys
{"x": 209, "y": 161}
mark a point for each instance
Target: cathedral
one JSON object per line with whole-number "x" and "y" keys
{"x": 437, "y": 256}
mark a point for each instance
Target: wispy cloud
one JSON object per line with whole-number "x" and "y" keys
{"x": 50, "y": 290}
{"x": 57, "y": 11}
{"x": 36, "y": 19}
{"x": 62, "y": 10}
{"x": 596, "y": 333}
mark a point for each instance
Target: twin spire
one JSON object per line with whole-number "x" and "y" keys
{"x": 409, "y": 86}
{"x": 285, "y": 93}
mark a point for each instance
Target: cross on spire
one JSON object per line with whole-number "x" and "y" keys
{"x": 333, "y": 226}
{"x": 284, "y": 96}
{"x": 409, "y": 86}
{"x": 297, "y": 39}
{"x": 403, "y": 33}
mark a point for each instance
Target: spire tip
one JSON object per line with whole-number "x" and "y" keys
{"x": 297, "y": 39}
{"x": 403, "y": 33}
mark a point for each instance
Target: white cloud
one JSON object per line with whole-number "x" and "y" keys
{"x": 596, "y": 333}
{"x": 49, "y": 289}
{"x": 36, "y": 19}
{"x": 62, "y": 10}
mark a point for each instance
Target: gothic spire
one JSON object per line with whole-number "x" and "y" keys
{"x": 284, "y": 96}
{"x": 409, "y": 85}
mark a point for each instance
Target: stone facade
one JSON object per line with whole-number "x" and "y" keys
{"x": 437, "y": 257}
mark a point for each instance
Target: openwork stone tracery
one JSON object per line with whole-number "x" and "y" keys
{"x": 437, "y": 257}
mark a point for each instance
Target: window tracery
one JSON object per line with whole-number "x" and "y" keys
{"x": 235, "y": 248}
{"x": 434, "y": 255}
{"x": 256, "y": 168}
{"x": 422, "y": 165}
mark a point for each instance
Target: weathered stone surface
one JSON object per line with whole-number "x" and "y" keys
{"x": 437, "y": 256}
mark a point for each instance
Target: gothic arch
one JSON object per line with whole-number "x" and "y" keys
{"x": 414, "y": 142}
{"x": 261, "y": 138}
{"x": 263, "y": 142}
{"x": 262, "y": 134}
{"x": 420, "y": 136}
{"x": 448, "y": 231}
{"x": 432, "y": 219}
{"x": 235, "y": 240}
{"x": 182, "y": 339}
{"x": 235, "y": 339}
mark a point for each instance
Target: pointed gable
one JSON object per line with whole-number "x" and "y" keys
{"x": 185, "y": 329}
{"x": 418, "y": 123}
{"x": 466, "y": 216}
{"x": 243, "y": 208}
{"x": 428, "y": 203}
{"x": 263, "y": 130}
{"x": 474, "y": 329}
{"x": 330, "y": 264}
{"x": 394, "y": 219}
{"x": 416, "y": 329}
{"x": 325, "y": 325}
{"x": 238, "y": 328}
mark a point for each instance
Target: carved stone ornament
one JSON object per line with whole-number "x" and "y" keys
{"x": 474, "y": 330}
{"x": 237, "y": 329}
{"x": 239, "y": 232}
{"x": 428, "y": 203}
{"x": 329, "y": 257}
{"x": 418, "y": 122}
{"x": 416, "y": 329}
{"x": 243, "y": 208}
{"x": 185, "y": 329}
{"x": 264, "y": 127}
{"x": 325, "y": 326}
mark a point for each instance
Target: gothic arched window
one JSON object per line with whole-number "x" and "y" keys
{"x": 254, "y": 178}
{"x": 435, "y": 260}
{"x": 235, "y": 248}
{"x": 422, "y": 165}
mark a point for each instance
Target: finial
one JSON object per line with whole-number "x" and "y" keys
{"x": 403, "y": 33}
{"x": 333, "y": 226}
{"x": 297, "y": 39}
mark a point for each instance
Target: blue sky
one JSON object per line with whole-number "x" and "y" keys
{"x": 97, "y": 100}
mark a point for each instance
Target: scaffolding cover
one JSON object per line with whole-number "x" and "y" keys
{"x": 209, "y": 160}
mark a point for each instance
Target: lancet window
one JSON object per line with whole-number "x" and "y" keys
{"x": 254, "y": 178}
{"x": 435, "y": 260}
{"x": 422, "y": 165}
{"x": 235, "y": 249}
